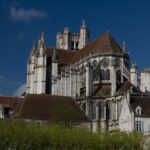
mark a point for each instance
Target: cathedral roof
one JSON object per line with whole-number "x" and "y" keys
{"x": 103, "y": 45}
{"x": 50, "y": 108}
{"x": 63, "y": 56}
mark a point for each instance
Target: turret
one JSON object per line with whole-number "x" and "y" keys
{"x": 40, "y": 68}
{"x": 84, "y": 35}
{"x": 42, "y": 43}
{"x": 133, "y": 75}
{"x": 66, "y": 38}
{"x": 59, "y": 41}
{"x": 30, "y": 70}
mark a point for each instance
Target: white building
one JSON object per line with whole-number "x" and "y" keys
{"x": 97, "y": 75}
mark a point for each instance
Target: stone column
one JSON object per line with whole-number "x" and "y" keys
{"x": 97, "y": 116}
{"x": 113, "y": 78}
{"x": 88, "y": 108}
{"x": 105, "y": 116}
{"x": 78, "y": 83}
{"x": 88, "y": 89}
{"x": 88, "y": 79}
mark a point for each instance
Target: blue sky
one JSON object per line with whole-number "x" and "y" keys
{"x": 22, "y": 21}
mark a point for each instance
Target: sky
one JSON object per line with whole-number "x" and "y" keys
{"x": 22, "y": 21}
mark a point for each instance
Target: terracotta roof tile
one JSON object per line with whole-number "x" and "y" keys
{"x": 51, "y": 108}
{"x": 63, "y": 56}
{"x": 143, "y": 102}
{"x": 10, "y": 102}
{"x": 103, "y": 45}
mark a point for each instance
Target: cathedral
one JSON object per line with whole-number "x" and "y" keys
{"x": 97, "y": 75}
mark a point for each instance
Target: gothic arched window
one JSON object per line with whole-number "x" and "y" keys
{"x": 83, "y": 76}
{"x": 105, "y": 72}
{"x": 118, "y": 75}
{"x": 96, "y": 70}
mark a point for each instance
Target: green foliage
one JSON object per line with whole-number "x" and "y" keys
{"x": 19, "y": 135}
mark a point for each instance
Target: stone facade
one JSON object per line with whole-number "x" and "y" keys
{"x": 98, "y": 75}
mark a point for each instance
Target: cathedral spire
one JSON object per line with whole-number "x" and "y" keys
{"x": 41, "y": 41}
{"x": 42, "y": 37}
{"x": 34, "y": 45}
{"x": 124, "y": 47}
{"x": 83, "y": 24}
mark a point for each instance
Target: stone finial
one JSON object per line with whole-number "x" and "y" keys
{"x": 42, "y": 37}
{"x": 83, "y": 24}
{"x": 124, "y": 48}
{"x": 34, "y": 45}
{"x": 41, "y": 41}
{"x": 66, "y": 30}
{"x": 134, "y": 66}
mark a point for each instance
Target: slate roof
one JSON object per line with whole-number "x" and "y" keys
{"x": 50, "y": 108}
{"x": 143, "y": 102}
{"x": 103, "y": 45}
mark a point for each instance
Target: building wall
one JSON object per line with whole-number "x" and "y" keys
{"x": 145, "y": 82}
{"x": 145, "y": 124}
{"x": 126, "y": 118}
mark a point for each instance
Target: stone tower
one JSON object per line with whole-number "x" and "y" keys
{"x": 84, "y": 35}
{"x": 36, "y": 68}
{"x": 133, "y": 75}
{"x": 72, "y": 41}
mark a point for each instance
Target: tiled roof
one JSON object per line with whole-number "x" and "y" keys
{"x": 143, "y": 102}
{"x": 10, "y": 102}
{"x": 103, "y": 45}
{"x": 51, "y": 108}
{"x": 63, "y": 56}
{"x": 99, "y": 90}
{"x": 128, "y": 86}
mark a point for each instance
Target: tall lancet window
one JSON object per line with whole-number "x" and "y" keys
{"x": 83, "y": 76}
{"x": 117, "y": 67}
{"x": 118, "y": 75}
{"x": 105, "y": 71}
{"x": 96, "y": 71}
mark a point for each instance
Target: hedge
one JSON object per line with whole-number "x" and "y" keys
{"x": 19, "y": 135}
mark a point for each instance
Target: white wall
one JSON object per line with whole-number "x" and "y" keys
{"x": 145, "y": 81}
{"x": 126, "y": 118}
{"x": 146, "y": 124}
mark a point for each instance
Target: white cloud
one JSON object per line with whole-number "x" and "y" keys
{"x": 26, "y": 15}
{"x": 20, "y": 90}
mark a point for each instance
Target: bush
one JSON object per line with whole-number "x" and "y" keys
{"x": 19, "y": 135}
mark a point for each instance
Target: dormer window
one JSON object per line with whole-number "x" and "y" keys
{"x": 138, "y": 110}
